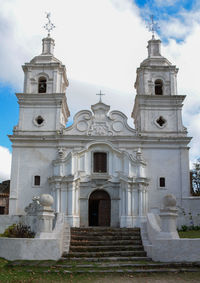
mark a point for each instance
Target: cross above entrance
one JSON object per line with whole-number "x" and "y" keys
{"x": 100, "y": 94}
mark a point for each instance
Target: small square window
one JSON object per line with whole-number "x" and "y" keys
{"x": 162, "y": 182}
{"x": 37, "y": 180}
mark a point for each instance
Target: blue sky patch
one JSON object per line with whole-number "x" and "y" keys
{"x": 9, "y": 115}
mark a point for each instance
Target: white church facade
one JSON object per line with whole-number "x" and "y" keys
{"x": 99, "y": 170}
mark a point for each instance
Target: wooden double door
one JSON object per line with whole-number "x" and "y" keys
{"x": 99, "y": 208}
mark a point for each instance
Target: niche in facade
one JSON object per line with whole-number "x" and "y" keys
{"x": 42, "y": 85}
{"x": 158, "y": 87}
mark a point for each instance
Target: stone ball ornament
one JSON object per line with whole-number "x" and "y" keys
{"x": 46, "y": 200}
{"x": 169, "y": 201}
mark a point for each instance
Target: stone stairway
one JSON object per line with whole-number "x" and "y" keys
{"x": 105, "y": 244}
{"x": 113, "y": 250}
{"x": 104, "y": 250}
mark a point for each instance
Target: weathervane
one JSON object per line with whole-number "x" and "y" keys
{"x": 100, "y": 94}
{"x": 49, "y": 26}
{"x": 152, "y": 26}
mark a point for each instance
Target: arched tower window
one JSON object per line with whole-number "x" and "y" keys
{"x": 42, "y": 85}
{"x": 158, "y": 87}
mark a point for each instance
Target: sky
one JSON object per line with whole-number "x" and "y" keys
{"x": 101, "y": 42}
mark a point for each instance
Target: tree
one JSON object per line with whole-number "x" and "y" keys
{"x": 196, "y": 177}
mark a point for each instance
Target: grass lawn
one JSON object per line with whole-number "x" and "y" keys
{"x": 41, "y": 273}
{"x": 189, "y": 234}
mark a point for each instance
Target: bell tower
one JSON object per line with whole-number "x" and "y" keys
{"x": 43, "y": 114}
{"x": 43, "y": 104}
{"x": 157, "y": 109}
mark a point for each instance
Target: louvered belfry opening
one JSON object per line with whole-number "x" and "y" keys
{"x": 158, "y": 87}
{"x": 100, "y": 162}
{"x": 42, "y": 85}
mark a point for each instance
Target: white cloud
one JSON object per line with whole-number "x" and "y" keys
{"x": 180, "y": 26}
{"x": 186, "y": 56}
{"x": 101, "y": 43}
{"x": 5, "y": 163}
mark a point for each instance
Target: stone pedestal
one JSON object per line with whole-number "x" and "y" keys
{"x": 168, "y": 216}
{"x": 45, "y": 214}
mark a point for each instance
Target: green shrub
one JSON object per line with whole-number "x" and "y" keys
{"x": 18, "y": 231}
{"x": 184, "y": 228}
{"x": 196, "y": 228}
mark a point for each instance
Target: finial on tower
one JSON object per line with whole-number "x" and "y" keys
{"x": 100, "y": 94}
{"x": 49, "y": 26}
{"x": 152, "y": 26}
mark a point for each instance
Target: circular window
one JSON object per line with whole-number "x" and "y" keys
{"x": 39, "y": 121}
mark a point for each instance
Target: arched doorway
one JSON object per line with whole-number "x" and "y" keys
{"x": 99, "y": 208}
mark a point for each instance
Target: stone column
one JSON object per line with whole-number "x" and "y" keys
{"x": 77, "y": 201}
{"x": 69, "y": 199}
{"x": 123, "y": 202}
{"x": 144, "y": 192}
{"x": 64, "y": 200}
{"x": 140, "y": 201}
{"x": 145, "y": 201}
{"x": 129, "y": 200}
{"x": 87, "y": 163}
{"x": 57, "y": 197}
{"x": 126, "y": 202}
{"x": 135, "y": 202}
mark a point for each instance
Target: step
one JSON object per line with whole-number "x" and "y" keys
{"x": 105, "y": 243}
{"x": 100, "y": 238}
{"x": 105, "y": 254}
{"x": 106, "y": 233}
{"x": 145, "y": 265}
{"x": 103, "y": 229}
{"x": 159, "y": 270}
{"x": 106, "y": 259}
{"x": 106, "y": 248}
{"x": 106, "y": 271}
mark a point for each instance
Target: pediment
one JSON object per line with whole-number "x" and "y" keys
{"x": 99, "y": 122}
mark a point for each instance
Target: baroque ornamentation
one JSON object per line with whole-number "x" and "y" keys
{"x": 33, "y": 207}
{"x": 61, "y": 152}
{"x": 99, "y": 129}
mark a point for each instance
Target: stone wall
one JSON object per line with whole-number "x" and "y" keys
{"x": 30, "y": 249}
{"x": 7, "y": 220}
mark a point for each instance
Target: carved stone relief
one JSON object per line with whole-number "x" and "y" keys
{"x": 61, "y": 152}
{"x": 33, "y": 207}
{"x": 82, "y": 126}
{"x": 100, "y": 123}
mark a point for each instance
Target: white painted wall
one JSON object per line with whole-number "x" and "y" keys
{"x": 30, "y": 249}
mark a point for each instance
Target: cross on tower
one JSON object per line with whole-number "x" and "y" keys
{"x": 100, "y": 94}
{"x": 49, "y": 26}
{"x": 152, "y": 26}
